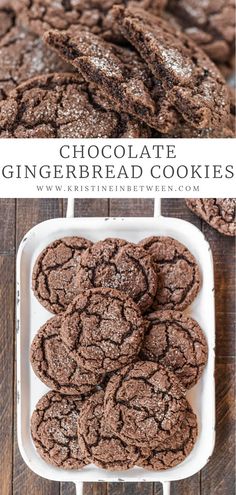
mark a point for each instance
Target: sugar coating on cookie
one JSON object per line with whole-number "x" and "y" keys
{"x": 54, "y": 430}
{"x": 145, "y": 403}
{"x": 52, "y": 363}
{"x": 61, "y": 105}
{"x": 98, "y": 442}
{"x": 54, "y": 272}
{"x": 23, "y": 55}
{"x": 175, "y": 449}
{"x": 177, "y": 271}
{"x": 176, "y": 341}
{"x": 219, "y": 213}
{"x": 121, "y": 74}
{"x": 117, "y": 264}
{"x": 104, "y": 329}
{"x": 193, "y": 83}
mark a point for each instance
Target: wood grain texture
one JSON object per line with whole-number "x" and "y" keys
{"x": 217, "y": 478}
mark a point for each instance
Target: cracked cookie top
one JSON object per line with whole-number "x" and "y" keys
{"x": 194, "y": 84}
{"x": 210, "y": 23}
{"x": 176, "y": 341}
{"x": 98, "y": 442}
{"x": 52, "y": 363}
{"x": 54, "y": 272}
{"x": 121, "y": 75}
{"x": 54, "y": 430}
{"x": 91, "y": 15}
{"x": 103, "y": 329}
{"x": 177, "y": 271}
{"x": 117, "y": 264}
{"x": 145, "y": 404}
{"x": 219, "y": 213}
{"x": 175, "y": 449}
{"x": 22, "y": 54}
{"x": 62, "y": 105}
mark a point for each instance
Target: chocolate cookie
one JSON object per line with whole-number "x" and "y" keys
{"x": 54, "y": 430}
{"x": 193, "y": 83}
{"x": 145, "y": 404}
{"x": 91, "y": 15}
{"x": 54, "y": 366}
{"x": 219, "y": 213}
{"x": 120, "y": 74}
{"x": 62, "y": 105}
{"x": 176, "y": 341}
{"x": 103, "y": 329}
{"x": 120, "y": 265}
{"x": 22, "y": 54}
{"x": 175, "y": 449}
{"x": 177, "y": 271}
{"x": 98, "y": 442}
{"x": 209, "y": 23}
{"x": 54, "y": 272}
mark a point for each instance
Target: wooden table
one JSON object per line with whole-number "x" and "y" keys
{"x": 217, "y": 478}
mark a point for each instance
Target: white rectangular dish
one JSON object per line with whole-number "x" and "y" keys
{"x": 31, "y": 315}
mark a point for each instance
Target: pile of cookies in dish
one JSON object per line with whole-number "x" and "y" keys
{"x": 119, "y": 354}
{"x": 116, "y": 68}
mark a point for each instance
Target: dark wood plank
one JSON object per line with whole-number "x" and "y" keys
{"x": 67, "y": 489}
{"x": 95, "y": 489}
{"x": 30, "y": 212}
{"x": 7, "y": 226}
{"x": 129, "y": 489}
{"x": 130, "y": 207}
{"x": 218, "y": 477}
{"x": 89, "y": 207}
{"x": 177, "y": 208}
{"x": 6, "y": 371}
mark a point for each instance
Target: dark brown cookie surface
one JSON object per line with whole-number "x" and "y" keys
{"x": 91, "y": 15}
{"x": 22, "y": 54}
{"x": 210, "y": 23}
{"x": 194, "y": 85}
{"x": 176, "y": 341}
{"x": 52, "y": 363}
{"x": 98, "y": 442}
{"x": 177, "y": 271}
{"x": 121, "y": 74}
{"x": 175, "y": 449}
{"x": 145, "y": 404}
{"x": 103, "y": 329}
{"x": 119, "y": 265}
{"x": 219, "y": 213}
{"x": 54, "y": 272}
{"x": 54, "y": 430}
{"x": 62, "y": 105}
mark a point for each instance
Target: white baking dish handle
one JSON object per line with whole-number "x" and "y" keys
{"x": 71, "y": 208}
{"x": 79, "y": 488}
{"x": 166, "y": 488}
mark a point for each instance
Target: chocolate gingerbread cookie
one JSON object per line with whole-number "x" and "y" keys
{"x": 91, "y": 15}
{"x": 177, "y": 271}
{"x": 175, "y": 449}
{"x": 98, "y": 442}
{"x": 54, "y": 272}
{"x": 103, "y": 329}
{"x": 176, "y": 341}
{"x": 62, "y": 105}
{"x": 219, "y": 213}
{"x": 22, "y": 54}
{"x": 52, "y": 363}
{"x": 120, "y": 74}
{"x": 210, "y": 23}
{"x": 193, "y": 84}
{"x": 54, "y": 430}
{"x": 120, "y": 265}
{"x": 145, "y": 404}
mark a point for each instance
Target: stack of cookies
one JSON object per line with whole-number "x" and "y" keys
{"x": 116, "y": 68}
{"x": 119, "y": 354}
